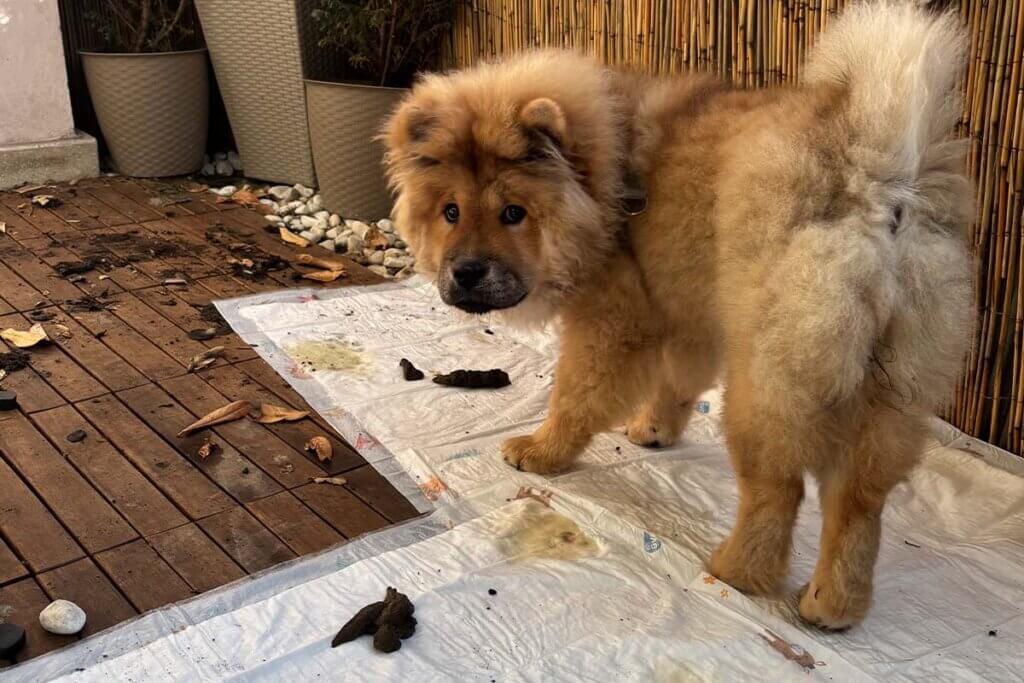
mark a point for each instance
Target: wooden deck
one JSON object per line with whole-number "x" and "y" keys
{"x": 130, "y": 518}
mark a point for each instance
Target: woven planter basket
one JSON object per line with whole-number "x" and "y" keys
{"x": 257, "y": 56}
{"x": 153, "y": 109}
{"x": 344, "y": 120}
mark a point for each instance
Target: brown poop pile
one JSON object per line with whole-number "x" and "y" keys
{"x": 390, "y": 622}
{"x": 474, "y": 379}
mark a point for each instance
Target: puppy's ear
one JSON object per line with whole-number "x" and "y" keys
{"x": 544, "y": 116}
{"x": 410, "y": 124}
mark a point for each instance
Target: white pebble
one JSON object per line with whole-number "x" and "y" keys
{"x": 317, "y": 233}
{"x": 307, "y": 235}
{"x": 358, "y": 228}
{"x": 220, "y": 156}
{"x": 386, "y": 225}
{"x": 379, "y": 270}
{"x": 307, "y": 221}
{"x": 398, "y": 262}
{"x": 392, "y": 252}
{"x": 283, "y": 193}
{"x": 326, "y": 215}
{"x": 224, "y": 167}
{"x": 271, "y": 218}
{"x": 226, "y": 191}
{"x": 331, "y": 234}
{"x": 235, "y": 160}
{"x": 303, "y": 191}
{"x": 354, "y": 245}
{"x": 328, "y": 245}
{"x": 62, "y": 617}
{"x": 315, "y": 204}
{"x": 334, "y": 220}
{"x": 373, "y": 257}
{"x": 303, "y": 210}
{"x": 399, "y": 244}
{"x": 208, "y": 169}
{"x": 289, "y": 208}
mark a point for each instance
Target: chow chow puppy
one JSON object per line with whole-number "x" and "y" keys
{"x": 808, "y": 243}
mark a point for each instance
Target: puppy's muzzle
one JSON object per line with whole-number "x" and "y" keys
{"x": 480, "y": 285}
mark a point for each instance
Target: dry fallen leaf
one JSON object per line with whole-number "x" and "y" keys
{"x": 205, "y": 359}
{"x": 245, "y": 263}
{"x": 3, "y": 228}
{"x": 46, "y": 200}
{"x": 336, "y": 481}
{"x": 376, "y": 239}
{"x": 326, "y": 264}
{"x": 232, "y": 411}
{"x": 208, "y": 448}
{"x": 321, "y": 446}
{"x": 25, "y": 189}
{"x": 291, "y": 238}
{"x": 324, "y": 275}
{"x": 270, "y": 414}
{"x": 24, "y": 339}
{"x": 245, "y": 197}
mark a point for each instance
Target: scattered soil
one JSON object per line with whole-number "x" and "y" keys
{"x": 66, "y": 268}
{"x": 76, "y": 436}
{"x": 491, "y": 591}
{"x": 389, "y": 622}
{"x": 86, "y": 304}
{"x": 409, "y": 371}
{"x": 139, "y": 247}
{"x": 474, "y": 379}
{"x": 41, "y": 315}
{"x": 12, "y": 361}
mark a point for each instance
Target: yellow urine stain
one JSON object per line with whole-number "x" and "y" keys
{"x": 329, "y": 354}
{"x": 538, "y": 532}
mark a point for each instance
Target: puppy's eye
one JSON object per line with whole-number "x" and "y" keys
{"x": 513, "y": 214}
{"x": 451, "y": 213}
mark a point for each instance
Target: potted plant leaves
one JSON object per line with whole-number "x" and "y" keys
{"x": 149, "y": 85}
{"x": 373, "y": 50}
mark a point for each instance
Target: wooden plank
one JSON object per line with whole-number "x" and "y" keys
{"x": 84, "y": 584}
{"x": 236, "y": 385}
{"x": 187, "y": 317}
{"x": 17, "y": 227}
{"x": 82, "y": 345}
{"x": 294, "y": 523}
{"x": 130, "y": 209}
{"x": 376, "y": 491}
{"x": 105, "y": 214}
{"x": 153, "y": 189}
{"x": 26, "y": 600}
{"x": 273, "y": 455}
{"x": 157, "y": 329}
{"x": 152, "y": 255}
{"x": 41, "y": 219}
{"x": 130, "y": 345}
{"x": 143, "y": 576}
{"x": 55, "y": 366}
{"x": 5, "y": 308}
{"x": 196, "y": 558}
{"x": 112, "y": 266}
{"x": 84, "y": 512}
{"x": 222, "y": 287}
{"x": 11, "y": 567}
{"x": 190, "y": 490}
{"x": 147, "y": 509}
{"x": 342, "y": 510}
{"x": 42, "y": 277}
{"x": 28, "y": 526}
{"x": 19, "y": 294}
{"x": 235, "y": 473}
{"x": 32, "y": 390}
{"x": 246, "y": 540}
{"x": 72, "y": 213}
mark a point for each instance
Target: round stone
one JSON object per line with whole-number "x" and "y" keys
{"x": 386, "y": 225}
{"x": 226, "y": 191}
{"x": 62, "y": 617}
{"x": 374, "y": 257}
{"x": 328, "y": 244}
{"x": 334, "y": 221}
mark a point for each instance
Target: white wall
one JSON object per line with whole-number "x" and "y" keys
{"x": 34, "y": 101}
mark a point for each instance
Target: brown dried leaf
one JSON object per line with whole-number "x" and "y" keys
{"x": 326, "y": 264}
{"x": 205, "y": 359}
{"x": 376, "y": 239}
{"x": 269, "y": 414}
{"x": 325, "y": 275}
{"x": 321, "y": 446}
{"x": 232, "y": 411}
{"x": 25, "y": 339}
{"x": 208, "y": 448}
{"x": 3, "y": 228}
{"x": 245, "y": 197}
{"x": 291, "y": 238}
{"x": 245, "y": 263}
{"x": 335, "y": 481}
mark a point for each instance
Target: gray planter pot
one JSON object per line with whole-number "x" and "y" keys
{"x": 153, "y": 109}
{"x": 344, "y": 119}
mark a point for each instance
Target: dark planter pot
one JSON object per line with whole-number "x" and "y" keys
{"x": 344, "y": 119}
{"x": 153, "y": 109}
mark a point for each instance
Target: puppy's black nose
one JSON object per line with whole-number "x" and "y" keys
{"x": 468, "y": 274}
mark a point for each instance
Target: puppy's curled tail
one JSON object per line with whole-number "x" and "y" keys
{"x": 899, "y": 64}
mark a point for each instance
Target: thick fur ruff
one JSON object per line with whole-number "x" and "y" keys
{"x": 808, "y": 243}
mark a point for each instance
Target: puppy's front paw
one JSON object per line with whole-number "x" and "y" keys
{"x": 644, "y": 430}
{"x": 826, "y": 606}
{"x": 529, "y": 454}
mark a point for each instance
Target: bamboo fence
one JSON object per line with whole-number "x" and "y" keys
{"x": 758, "y": 43}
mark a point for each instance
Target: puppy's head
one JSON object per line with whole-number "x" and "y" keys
{"x": 505, "y": 177}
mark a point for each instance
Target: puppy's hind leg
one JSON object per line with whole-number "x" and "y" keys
{"x": 683, "y": 375}
{"x": 853, "y": 493}
{"x": 755, "y": 556}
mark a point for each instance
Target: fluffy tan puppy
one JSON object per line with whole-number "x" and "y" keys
{"x": 807, "y": 244}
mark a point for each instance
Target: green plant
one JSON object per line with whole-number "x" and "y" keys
{"x": 384, "y": 41}
{"x": 144, "y": 25}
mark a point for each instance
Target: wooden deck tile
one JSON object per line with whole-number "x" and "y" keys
{"x": 84, "y": 584}
{"x": 294, "y": 523}
{"x": 25, "y": 600}
{"x": 342, "y": 510}
{"x": 196, "y": 558}
{"x": 32, "y": 531}
{"x": 143, "y": 576}
{"x": 246, "y": 540}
